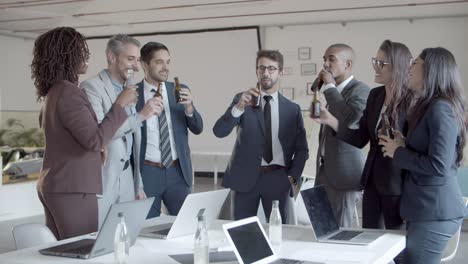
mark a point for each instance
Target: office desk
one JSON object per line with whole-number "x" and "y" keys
{"x": 296, "y": 244}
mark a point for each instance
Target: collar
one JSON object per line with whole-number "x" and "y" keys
{"x": 342, "y": 85}
{"x": 273, "y": 95}
{"x": 148, "y": 86}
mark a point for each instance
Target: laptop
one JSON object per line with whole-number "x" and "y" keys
{"x": 135, "y": 213}
{"x": 186, "y": 221}
{"x": 324, "y": 224}
{"x": 251, "y": 245}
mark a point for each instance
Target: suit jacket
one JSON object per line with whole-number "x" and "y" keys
{"x": 102, "y": 95}
{"x": 343, "y": 163}
{"x": 430, "y": 186}
{"x": 243, "y": 168}
{"x": 181, "y": 123}
{"x": 74, "y": 138}
{"x": 386, "y": 177}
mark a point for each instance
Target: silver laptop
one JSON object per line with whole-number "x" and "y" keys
{"x": 251, "y": 245}
{"x": 186, "y": 222}
{"x": 135, "y": 213}
{"x": 324, "y": 224}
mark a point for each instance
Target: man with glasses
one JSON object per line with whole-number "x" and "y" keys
{"x": 340, "y": 165}
{"x": 271, "y": 148}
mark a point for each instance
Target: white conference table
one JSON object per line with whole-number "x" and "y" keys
{"x": 297, "y": 243}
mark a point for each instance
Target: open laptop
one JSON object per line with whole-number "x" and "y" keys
{"x": 135, "y": 213}
{"x": 251, "y": 245}
{"x": 186, "y": 221}
{"x": 324, "y": 224}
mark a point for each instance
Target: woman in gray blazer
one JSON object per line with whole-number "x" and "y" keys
{"x": 429, "y": 157}
{"x": 71, "y": 171}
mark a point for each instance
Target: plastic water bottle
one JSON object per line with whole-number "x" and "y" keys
{"x": 275, "y": 227}
{"x": 121, "y": 241}
{"x": 201, "y": 244}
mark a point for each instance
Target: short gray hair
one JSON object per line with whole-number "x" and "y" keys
{"x": 116, "y": 43}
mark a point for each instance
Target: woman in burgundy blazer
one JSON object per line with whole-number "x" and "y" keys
{"x": 71, "y": 171}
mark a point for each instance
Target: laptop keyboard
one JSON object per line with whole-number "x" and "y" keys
{"x": 164, "y": 232}
{"x": 345, "y": 235}
{"x": 287, "y": 261}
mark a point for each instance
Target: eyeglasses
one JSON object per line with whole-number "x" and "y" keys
{"x": 271, "y": 69}
{"x": 379, "y": 63}
{"x": 412, "y": 61}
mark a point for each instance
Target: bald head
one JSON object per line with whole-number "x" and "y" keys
{"x": 338, "y": 60}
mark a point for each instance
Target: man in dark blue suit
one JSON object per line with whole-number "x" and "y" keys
{"x": 271, "y": 148}
{"x": 166, "y": 166}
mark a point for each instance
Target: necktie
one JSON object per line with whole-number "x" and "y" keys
{"x": 268, "y": 150}
{"x": 164, "y": 141}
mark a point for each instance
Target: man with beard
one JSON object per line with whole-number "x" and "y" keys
{"x": 166, "y": 166}
{"x": 121, "y": 178}
{"x": 271, "y": 148}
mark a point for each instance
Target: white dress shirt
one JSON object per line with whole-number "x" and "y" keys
{"x": 278, "y": 156}
{"x": 340, "y": 87}
{"x": 153, "y": 152}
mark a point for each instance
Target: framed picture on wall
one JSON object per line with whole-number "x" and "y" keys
{"x": 308, "y": 69}
{"x": 288, "y": 70}
{"x": 288, "y": 92}
{"x": 308, "y": 90}
{"x": 303, "y": 53}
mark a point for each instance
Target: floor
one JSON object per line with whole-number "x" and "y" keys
{"x": 201, "y": 184}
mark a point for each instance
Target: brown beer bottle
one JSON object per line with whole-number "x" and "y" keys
{"x": 177, "y": 90}
{"x": 387, "y": 129}
{"x": 317, "y": 84}
{"x": 256, "y": 99}
{"x": 158, "y": 91}
{"x": 316, "y": 105}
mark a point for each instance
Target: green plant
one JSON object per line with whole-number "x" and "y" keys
{"x": 16, "y": 135}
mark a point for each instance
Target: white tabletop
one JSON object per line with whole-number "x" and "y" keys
{"x": 297, "y": 244}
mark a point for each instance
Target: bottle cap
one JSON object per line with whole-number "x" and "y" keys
{"x": 275, "y": 202}
{"x": 120, "y": 214}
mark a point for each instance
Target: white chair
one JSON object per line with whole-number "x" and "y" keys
{"x": 32, "y": 234}
{"x": 452, "y": 245}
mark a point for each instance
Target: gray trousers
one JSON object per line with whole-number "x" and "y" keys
{"x": 123, "y": 190}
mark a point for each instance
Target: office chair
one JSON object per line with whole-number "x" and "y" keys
{"x": 32, "y": 234}
{"x": 451, "y": 248}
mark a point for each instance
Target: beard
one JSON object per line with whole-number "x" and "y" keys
{"x": 267, "y": 85}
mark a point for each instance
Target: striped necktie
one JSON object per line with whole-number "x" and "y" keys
{"x": 164, "y": 140}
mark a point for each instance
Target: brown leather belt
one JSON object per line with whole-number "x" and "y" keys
{"x": 158, "y": 164}
{"x": 270, "y": 168}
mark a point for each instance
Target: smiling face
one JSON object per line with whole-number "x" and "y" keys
{"x": 416, "y": 76}
{"x": 127, "y": 58}
{"x": 268, "y": 74}
{"x": 157, "y": 69}
{"x": 383, "y": 72}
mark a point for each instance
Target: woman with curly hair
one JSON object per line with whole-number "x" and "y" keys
{"x": 71, "y": 171}
{"x": 431, "y": 201}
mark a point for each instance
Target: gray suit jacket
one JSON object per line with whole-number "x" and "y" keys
{"x": 181, "y": 123}
{"x": 343, "y": 163}
{"x": 430, "y": 186}
{"x": 243, "y": 169}
{"x": 102, "y": 95}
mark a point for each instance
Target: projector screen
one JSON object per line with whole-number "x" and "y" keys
{"x": 214, "y": 64}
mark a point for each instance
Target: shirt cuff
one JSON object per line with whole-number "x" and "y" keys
{"x": 191, "y": 115}
{"x": 137, "y": 118}
{"x": 327, "y": 86}
{"x": 236, "y": 112}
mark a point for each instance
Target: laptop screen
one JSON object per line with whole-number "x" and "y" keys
{"x": 250, "y": 242}
{"x": 319, "y": 210}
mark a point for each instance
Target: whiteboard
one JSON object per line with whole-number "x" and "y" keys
{"x": 214, "y": 64}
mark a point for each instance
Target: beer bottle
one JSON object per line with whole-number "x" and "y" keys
{"x": 158, "y": 91}
{"x": 177, "y": 90}
{"x": 256, "y": 99}
{"x": 387, "y": 129}
{"x": 317, "y": 84}
{"x": 316, "y": 105}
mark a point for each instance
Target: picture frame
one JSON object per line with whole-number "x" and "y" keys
{"x": 288, "y": 70}
{"x": 303, "y": 53}
{"x": 308, "y": 90}
{"x": 288, "y": 92}
{"x": 308, "y": 69}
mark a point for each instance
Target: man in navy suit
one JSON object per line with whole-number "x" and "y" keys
{"x": 166, "y": 166}
{"x": 271, "y": 148}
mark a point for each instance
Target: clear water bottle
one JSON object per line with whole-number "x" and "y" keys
{"x": 121, "y": 242}
{"x": 275, "y": 226}
{"x": 201, "y": 244}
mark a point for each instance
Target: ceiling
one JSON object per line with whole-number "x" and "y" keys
{"x": 28, "y": 18}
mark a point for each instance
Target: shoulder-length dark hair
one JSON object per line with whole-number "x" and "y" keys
{"x": 441, "y": 81}
{"x": 399, "y": 57}
{"x": 58, "y": 55}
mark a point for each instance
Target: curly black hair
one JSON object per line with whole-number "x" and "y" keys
{"x": 58, "y": 55}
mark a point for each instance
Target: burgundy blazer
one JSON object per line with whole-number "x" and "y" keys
{"x": 74, "y": 138}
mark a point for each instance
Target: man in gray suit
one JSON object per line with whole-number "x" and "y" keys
{"x": 121, "y": 174}
{"x": 166, "y": 166}
{"x": 340, "y": 165}
{"x": 271, "y": 147}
